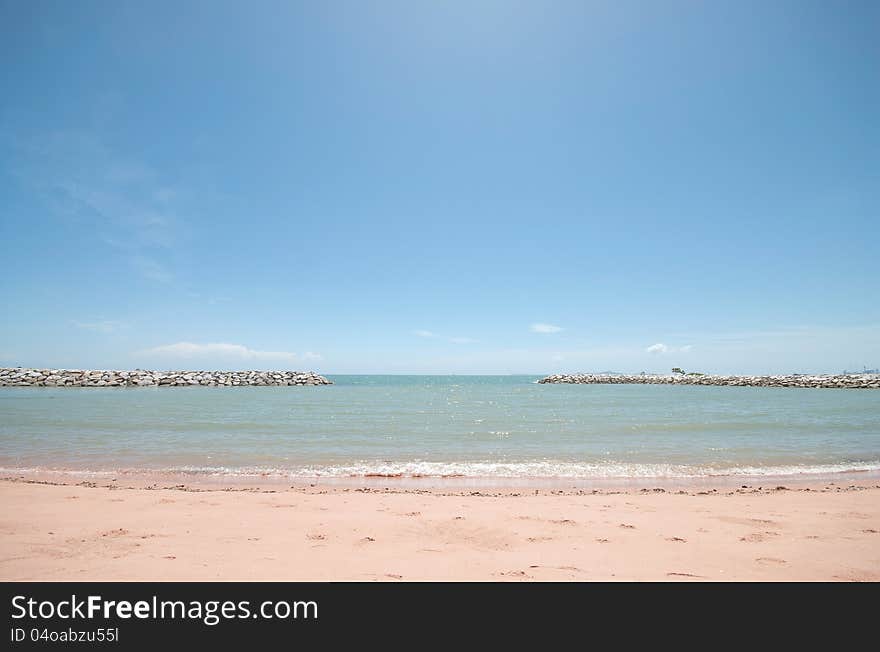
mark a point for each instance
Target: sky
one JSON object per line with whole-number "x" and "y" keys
{"x": 440, "y": 187}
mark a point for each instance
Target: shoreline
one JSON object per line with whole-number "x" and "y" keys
{"x": 70, "y": 532}
{"x": 142, "y": 479}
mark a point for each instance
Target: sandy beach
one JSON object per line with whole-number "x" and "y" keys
{"x": 95, "y": 531}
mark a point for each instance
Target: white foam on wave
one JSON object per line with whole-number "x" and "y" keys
{"x": 35, "y": 470}
{"x": 544, "y": 469}
{"x": 536, "y": 469}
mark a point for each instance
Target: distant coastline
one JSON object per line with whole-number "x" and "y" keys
{"x": 27, "y": 377}
{"x": 827, "y": 381}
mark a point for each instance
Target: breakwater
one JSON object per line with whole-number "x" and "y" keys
{"x": 26, "y": 377}
{"x": 838, "y": 381}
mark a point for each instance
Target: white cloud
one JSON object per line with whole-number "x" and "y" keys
{"x": 431, "y": 335}
{"x": 102, "y": 326}
{"x": 661, "y": 348}
{"x": 222, "y": 350}
{"x": 309, "y": 355}
{"x": 545, "y": 328}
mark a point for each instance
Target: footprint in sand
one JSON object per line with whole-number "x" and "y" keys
{"x": 770, "y": 560}
{"x": 685, "y": 575}
{"x": 514, "y": 574}
{"x": 859, "y": 576}
{"x": 627, "y": 526}
{"x": 316, "y": 537}
{"x": 539, "y": 539}
{"x": 754, "y": 522}
{"x": 870, "y": 531}
{"x": 562, "y": 521}
{"x": 758, "y": 537}
{"x": 367, "y": 540}
{"x": 573, "y": 569}
{"x": 602, "y": 541}
{"x": 676, "y": 539}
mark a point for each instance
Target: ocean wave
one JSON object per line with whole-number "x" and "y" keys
{"x": 574, "y": 470}
{"x": 544, "y": 469}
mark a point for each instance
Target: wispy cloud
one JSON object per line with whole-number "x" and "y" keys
{"x": 545, "y": 328}
{"x": 431, "y": 335}
{"x": 101, "y": 326}
{"x": 187, "y": 350}
{"x": 122, "y": 202}
{"x": 660, "y": 349}
{"x": 151, "y": 269}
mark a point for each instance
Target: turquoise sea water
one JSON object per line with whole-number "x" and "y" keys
{"x": 481, "y": 426}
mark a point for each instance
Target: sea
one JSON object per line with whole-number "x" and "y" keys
{"x": 489, "y": 427}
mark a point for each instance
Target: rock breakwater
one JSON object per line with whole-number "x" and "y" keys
{"x": 839, "y": 381}
{"x": 24, "y": 377}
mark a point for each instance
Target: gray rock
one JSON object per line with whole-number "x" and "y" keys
{"x": 140, "y": 378}
{"x": 834, "y": 381}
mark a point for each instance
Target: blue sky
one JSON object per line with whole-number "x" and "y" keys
{"x": 433, "y": 187}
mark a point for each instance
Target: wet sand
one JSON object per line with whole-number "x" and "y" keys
{"x": 96, "y": 530}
